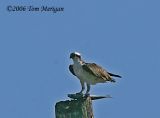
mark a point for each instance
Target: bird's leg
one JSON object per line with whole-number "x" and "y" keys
{"x": 88, "y": 89}
{"x": 83, "y": 87}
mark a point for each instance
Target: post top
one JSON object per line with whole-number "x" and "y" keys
{"x": 82, "y": 96}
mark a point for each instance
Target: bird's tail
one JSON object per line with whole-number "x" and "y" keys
{"x": 113, "y": 80}
{"x": 114, "y": 75}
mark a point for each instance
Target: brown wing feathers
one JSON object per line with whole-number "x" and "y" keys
{"x": 98, "y": 71}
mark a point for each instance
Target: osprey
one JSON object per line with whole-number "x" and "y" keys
{"x": 89, "y": 73}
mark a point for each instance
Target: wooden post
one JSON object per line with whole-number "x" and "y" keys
{"x": 78, "y": 107}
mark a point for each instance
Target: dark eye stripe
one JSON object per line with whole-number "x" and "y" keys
{"x": 78, "y": 56}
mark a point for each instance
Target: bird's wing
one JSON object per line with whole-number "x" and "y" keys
{"x": 97, "y": 71}
{"x": 71, "y": 69}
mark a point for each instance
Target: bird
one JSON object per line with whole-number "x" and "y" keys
{"x": 89, "y": 73}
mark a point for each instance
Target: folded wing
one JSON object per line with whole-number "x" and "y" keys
{"x": 71, "y": 69}
{"x": 97, "y": 71}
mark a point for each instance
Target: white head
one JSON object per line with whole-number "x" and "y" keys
{"x": 76, "y": 56}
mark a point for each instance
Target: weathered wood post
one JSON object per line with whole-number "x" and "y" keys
{"x": 78, "y": 107}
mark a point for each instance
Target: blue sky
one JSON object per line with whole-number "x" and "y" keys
{"x": 122, "y": 36}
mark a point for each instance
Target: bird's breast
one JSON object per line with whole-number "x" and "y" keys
{"x": 78, "y": 71}
{"x": 84, "y": 75}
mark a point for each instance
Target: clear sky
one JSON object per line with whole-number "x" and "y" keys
{"x": 121, "y": 35}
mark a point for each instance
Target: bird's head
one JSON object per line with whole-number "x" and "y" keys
{"x": 75, "y": 56}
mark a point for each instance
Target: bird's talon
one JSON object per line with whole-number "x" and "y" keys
{"x": 80, "y": 94}
{"x": 87, "y": 94}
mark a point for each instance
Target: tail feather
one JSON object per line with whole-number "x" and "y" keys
{"x": 114, "y": 75}
{"x": 113, "y": 80}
